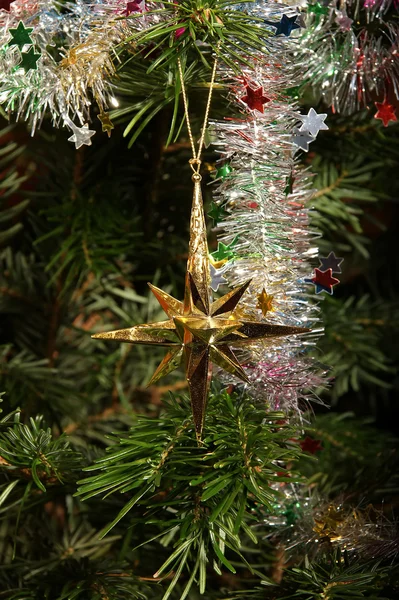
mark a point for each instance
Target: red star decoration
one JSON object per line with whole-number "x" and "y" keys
{"x": 311, "y": 445}
{"x": 324, "y": 279}
{"x": 255, "y": 98}
{"x": 5, "y": 4}
{"x": 132, "y": 7}
{"x": 385, "y": 112}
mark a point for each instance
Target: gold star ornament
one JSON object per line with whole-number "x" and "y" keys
{"x": 199, "y": 331}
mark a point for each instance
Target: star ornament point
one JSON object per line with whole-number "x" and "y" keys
{"x": 199, "y": 332}
{"x": 199, "y": 337}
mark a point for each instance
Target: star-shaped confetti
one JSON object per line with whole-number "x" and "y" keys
{"x": 81, "y": 135}
{"x": 254, "y": 98}
{"x": 217, "y": 212}
{"x": 293, "y": 92}
{"x": 217, "y": 278}
{"x": 318, "y": 9}
{"x": 20, "y": 36}
{"x": 134, "y": 6}
{"x": 5, "y": 4}
{"x": 302, "y": 139}
{"x": 311, "y": 445}
{"x": 385, "y": 112}
{"x": 286, "y": 25}
{"x": 222, "y": 254}
{"x": 265, "y": 302}
{"x": 107, "y": 124}
{"x": 323, "y": 281}
{"x": 312, "y": 122}
{"x": 344, "y": 22}
{"x": 223, "y": 171}
{"x": 29, "y": 60}
{"x": 331, "y": 262}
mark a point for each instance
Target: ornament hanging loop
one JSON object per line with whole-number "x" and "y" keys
{"x": 195, "y": 165}
{"x": 195, "y": 161}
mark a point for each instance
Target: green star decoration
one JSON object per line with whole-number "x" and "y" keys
{"x": 223, "y": 171}
{"x": 292, "y": 513}
{"x": 223, "y": 252}
{"x": 20, "y": 36}
{"x": 29, "y": 60}
{"x": 293, "y": 92}
{"x": 217, "y": 213}
{"x": 318, "y": 9}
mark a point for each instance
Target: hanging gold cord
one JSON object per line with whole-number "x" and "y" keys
{"x": 195, "y": 161}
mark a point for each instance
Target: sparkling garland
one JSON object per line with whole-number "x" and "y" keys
{"x": 349, "y": 53}
{"x": 304, "y": 522}
{"x": 263, "y": 222}
{"x": 87, "y": 35}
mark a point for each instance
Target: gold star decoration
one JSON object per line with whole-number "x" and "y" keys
{"x": 265, "y": 302}
{"x": 199, "y": 331}
{"x": 107, "y": 124}
{"x": 329, "y": 524}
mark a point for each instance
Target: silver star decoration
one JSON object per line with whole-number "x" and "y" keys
{"x": 81, "y": 135}
{"x": 331, "y": 262}
{"x": 302, "y": 139}
{"x": 344, "y": 22}
{"x": 312, "y": 122}
{"x": 217, "y": 278}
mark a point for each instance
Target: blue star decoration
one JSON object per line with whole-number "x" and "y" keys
{"x": 285, "y": 26}
{"x": 331, "y": 262}
{"x": 323, "y": 281}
